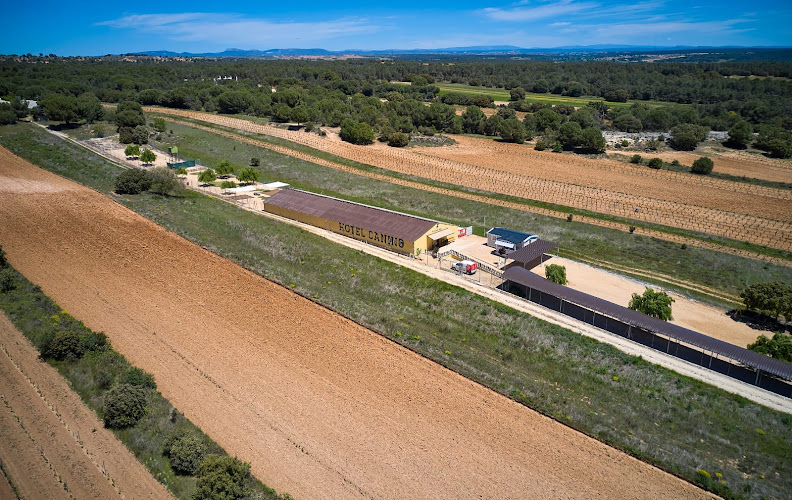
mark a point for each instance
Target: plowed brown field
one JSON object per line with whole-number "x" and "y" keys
{"x": 734, "y": 210}
{"x": 320, "y": 406}
{"x": 53, "y": 446}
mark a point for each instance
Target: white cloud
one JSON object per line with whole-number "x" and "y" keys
{"x": 234, "y": 29}
{"x": 561, "y": 24}
{"x": 667, "y": 27}
{"x": 564, "y": 7}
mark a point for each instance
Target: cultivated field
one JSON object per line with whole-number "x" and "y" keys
{"x": 320, "y": 406}
{"x": 734, "y": 210}
{"x": 53, "y": 446}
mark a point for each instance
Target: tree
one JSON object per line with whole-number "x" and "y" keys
{"x": 637, "y": 159}
{"x": 129, "y": 114}
{"x": 185, "y": 450}
{"x": 775, "y": 140}
{"x": 547, "y": 118}
{"x": 398, "y": 140}
{"x": 357, "y": 133}
{"x": 773, "y": 298}
{"x": 740, "y": 135}
{"x": 7, "y": 114}
{"x": 60, "y": 108}
{"x": 164, "y": 181}
{"x": 208, "y": 176}
{"x": 160, "y": 125}
{"x": 512, "y": 130}
{"x": 517, "y": 94}
{"x": 222, "y": 478}
{"x": 133, "y": 181}
{"x": 147, "y": 156}
{"x": 569, "y": 135}
{"x": 473, "y": 120}
{"x": 89, "y": 108}
{"x": 181, "y": 171}
{"x": 299, "y": 114}
{"x": 556, "y": 274}
{"x": 618, "y": 95}
{"x": 651, "y": 303}
{"x": 248, "y": 174}
{"x": 224, "y": 168}
{"x": 228, "y": 185}
{"x": 234, "y": 102}
{"x": 627, "y": 123}
{"x": 124, "y": 405}
{"x": 687, "y": 136}
{"x": 655, "y": 163}
{"x": 779, "y": 347}
{"x": 591, "y": 141}
{"x": 132, "y": 151}
{"x": 492, "y": 125}
{"x": 702, "y": 166}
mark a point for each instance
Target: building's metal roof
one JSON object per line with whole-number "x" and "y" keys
{"x": 749, "y": 358}
{"x": 387, "y": 222}
{"x": 532, "y": 251}
{"x": 509, "y": 234}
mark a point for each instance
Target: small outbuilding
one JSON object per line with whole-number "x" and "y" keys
{"x": 508, "y": 240}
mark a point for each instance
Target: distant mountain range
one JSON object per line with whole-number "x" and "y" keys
{"x": 472, "y": 50}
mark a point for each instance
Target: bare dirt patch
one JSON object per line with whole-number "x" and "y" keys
{"x": 714, "y": 206}
{"x": 51, "y": 444}
{"x": 732, "y": 162}
{"x": 320, "y": 406}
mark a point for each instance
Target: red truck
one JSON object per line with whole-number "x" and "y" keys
{"x": 465, "y": 267}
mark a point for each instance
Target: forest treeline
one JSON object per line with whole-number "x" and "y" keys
{"x": 751, "y": 96}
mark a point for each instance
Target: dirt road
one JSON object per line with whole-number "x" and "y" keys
{"x": 52, "y": 445}
{"x": 320, "y": 406}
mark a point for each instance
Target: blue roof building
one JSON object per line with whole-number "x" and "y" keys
{"x": 508, "y": 239}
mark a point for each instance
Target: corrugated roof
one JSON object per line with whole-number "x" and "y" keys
{"x": 749, "y": 358}
{"x": 509, "y": 234}
{"x": 398, "y": 225}
{"x": 530, "y": 252}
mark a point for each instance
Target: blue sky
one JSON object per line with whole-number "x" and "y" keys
{"x": 94, "y": 28}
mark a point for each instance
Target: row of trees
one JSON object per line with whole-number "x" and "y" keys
{"x": 302, "y": 86}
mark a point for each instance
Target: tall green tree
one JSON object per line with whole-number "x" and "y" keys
{"x": 740, "y": 134}
{"x": 248, "y": 174}
{"x": 208, "y": 176}
{"x": 512, "y": 130}
{"x": 591, "y": 141}
{"x": 60, "y": 108}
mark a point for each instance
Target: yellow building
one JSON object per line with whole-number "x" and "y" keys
{"x": 395, "y": 231}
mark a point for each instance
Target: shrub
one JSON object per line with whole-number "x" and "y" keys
{"x": 778, "y": 347}
{"x": 228, "y": 184}
{"x": 556, "y": 274}
{"x": 248, "y": 174}
{"x": 64, "y": 345}
{"x": 637, "y": 159}
{"x": 132, "y": 181}
{"x": 7, "y": 280}
{"x": 133, "y": 150}
{"x": 226, "y": 478}
{"x": 181, "y": 171}
{"x": 124, "y": 405}
{"x": 147, "y": 156}
{"x": 398, "y": 140}
{"x": 625, "y": 143}
{"x": 207, "y": 176}
{"x": 137, "y": 377}
{"x": 224, "y": 168}
{"x": 686, "y": 136}
{"x": 356, "y": 133}
{"x": 255, "y": 162}
{"x": 651, "y": 303}
{"x": 702, "y": 166}
{"x": 185, "y": 451}
{"x": 655, "y": 163}
{"x": 159, "y": 125}
{"x": 3, "y": 260}
{"x": 164, "y": 181}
